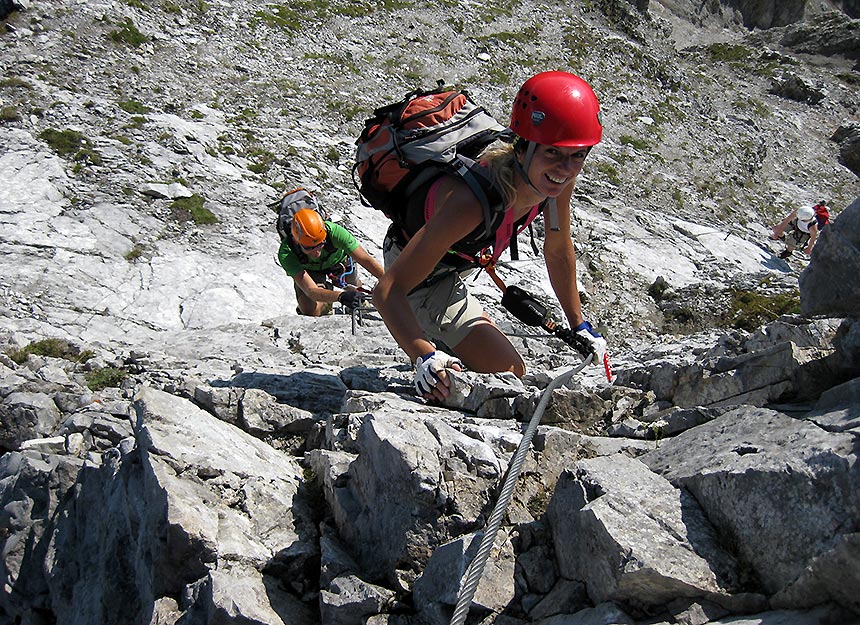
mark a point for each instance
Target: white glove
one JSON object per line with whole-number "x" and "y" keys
{"x": 428, "y": 367}
{"x": 590, "y": 342}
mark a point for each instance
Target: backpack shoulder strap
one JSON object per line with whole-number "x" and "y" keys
{"x": 489, "y": 195}
{"x": 294, "y": 247}
{"x": 328, "y": 246}
{"x": 553, "y": 214}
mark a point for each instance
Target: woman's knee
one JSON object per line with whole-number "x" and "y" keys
{"x": 487, "y": 350}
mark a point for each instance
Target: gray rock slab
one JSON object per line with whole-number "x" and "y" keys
{"x": 25, "y": 415}
{"x": 349, "y": 599}
{"x": 244, "y": 595}
{"x": 631, "y": 536}
{"x": 205, "y": 465}
{"x": 784, "y": 489}
{"x": 602, "y": 614}
{"x": 838, "y": 408}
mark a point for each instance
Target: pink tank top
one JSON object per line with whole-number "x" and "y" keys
{"x": 505, "y": 232}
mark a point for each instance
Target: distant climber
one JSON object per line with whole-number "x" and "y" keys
{"x": 320, "y": 255}
{"x": 798, "y": 229}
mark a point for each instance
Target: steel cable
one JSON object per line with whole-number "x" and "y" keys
{"x": 476, "y": 568}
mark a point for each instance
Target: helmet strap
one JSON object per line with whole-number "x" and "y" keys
{"x": 523, "y": 168}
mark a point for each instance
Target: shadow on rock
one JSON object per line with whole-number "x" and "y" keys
{"x": 312, "y": 391}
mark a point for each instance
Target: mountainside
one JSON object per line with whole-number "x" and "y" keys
{"x": 236, "y": 101}
{"x": 179, "y": 447}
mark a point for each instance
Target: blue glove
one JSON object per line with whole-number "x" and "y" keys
{"x": 427, "y": 369}
{"x": 588, "y": 341}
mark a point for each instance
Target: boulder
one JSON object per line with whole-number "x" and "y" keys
{"x": 785, "y": 492}
{"x": 633, "y": 538}
{"x": 25, "y": 415}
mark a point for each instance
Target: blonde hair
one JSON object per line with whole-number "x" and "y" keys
{"x": 499, "y": 159}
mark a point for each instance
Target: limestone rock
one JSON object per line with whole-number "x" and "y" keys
{"x": 592, "y": 514}
{"x": 811, "y": 502}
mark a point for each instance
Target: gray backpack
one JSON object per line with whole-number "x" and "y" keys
{"x": 291, "y": 203}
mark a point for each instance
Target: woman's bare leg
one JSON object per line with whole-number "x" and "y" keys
{"x": 487, "y": 350}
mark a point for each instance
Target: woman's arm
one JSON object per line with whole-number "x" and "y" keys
{"x": 457, "y": 214}
{"x": 560, "y": 258}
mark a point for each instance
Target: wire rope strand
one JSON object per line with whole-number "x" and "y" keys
{"x": 476, "y": 568}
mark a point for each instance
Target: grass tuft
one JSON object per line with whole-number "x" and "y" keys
{"x": 52, "y": 348}
{"x": 105, "y": 377}
{"x": 192, "y": 209}
{"x": 128, "y": 34}
{"x": 749, "y": 310}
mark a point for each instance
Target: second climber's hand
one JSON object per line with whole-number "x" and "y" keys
{"x": 432, "y": 382}
{"x": 588, "y": 341}
{"x": 351, "y": 299}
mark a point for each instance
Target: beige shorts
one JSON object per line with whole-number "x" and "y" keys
{"x": 445, "y": 309}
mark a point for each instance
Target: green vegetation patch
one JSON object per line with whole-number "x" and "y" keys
{"x": 53, "y": 348}
{"x": 730, "y": 52}
{"x": 63, "y": 142}
{"x": 353, "y": 9}
{"x": 749, "y": 310}
{"x": 136, "y": 122}
{"x": 9, "y": 114}
{"x": 105, "y": 377}
{"x": 191, "y": 209}
{"x": 753, "y": 105}
{"x": 135, "y": 252}
{"x": 15, "y": 82}
{"x": 850, "y": 78}
{"x": 350, "y": 110}
{"x": 610, "y": 173}
{"x": 128, "y": 34}
{"x": 285, "y": 17}
{"x": 70, "y": 143}
{"x": 134, "y": 107}
{"x": 639, "y": 144}
{"x": 261, "y": 160}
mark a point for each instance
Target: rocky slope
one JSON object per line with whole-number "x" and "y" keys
{"x": 183, "y": 449}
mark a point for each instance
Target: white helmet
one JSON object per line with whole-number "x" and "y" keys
{"x": 806, "y": 213}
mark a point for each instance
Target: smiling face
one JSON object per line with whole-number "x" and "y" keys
{"x": 553, "y": 168}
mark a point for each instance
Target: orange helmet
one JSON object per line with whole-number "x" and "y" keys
{"x": 557, "y": 108}
{"x": 308, "y": 228}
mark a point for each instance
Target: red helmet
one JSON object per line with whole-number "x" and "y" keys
{"x": 557, "y": 108}
{"x": 308, "y": 228}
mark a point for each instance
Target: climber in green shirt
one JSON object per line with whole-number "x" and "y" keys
{"x": 320, "y": 255}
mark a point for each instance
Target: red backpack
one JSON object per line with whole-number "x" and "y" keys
{"x": 822, "y": 215}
